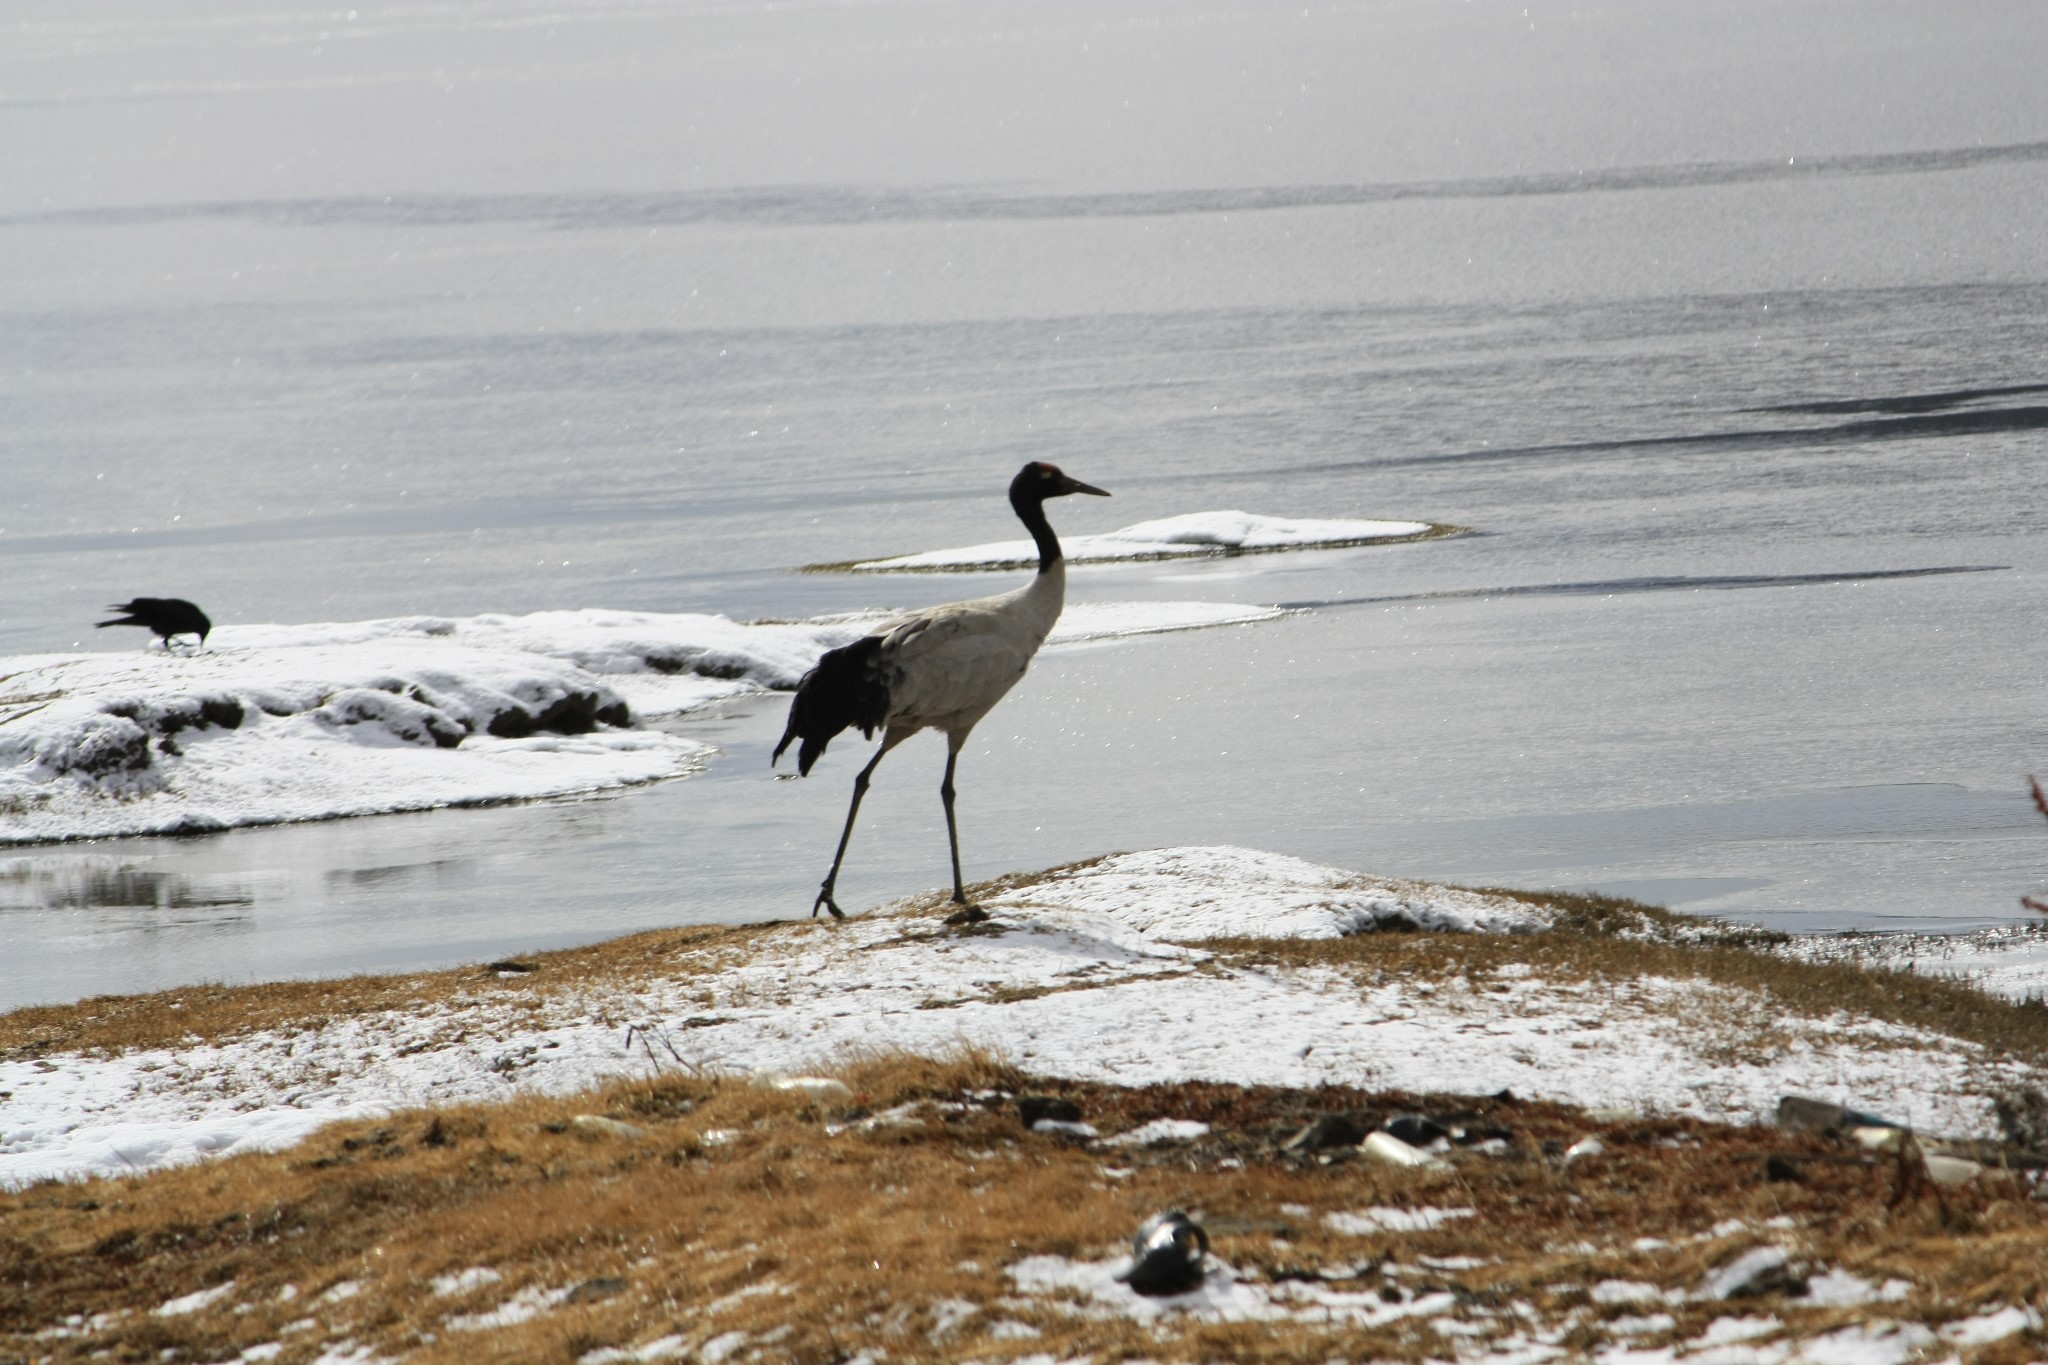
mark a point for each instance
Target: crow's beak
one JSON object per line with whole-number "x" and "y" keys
{"x": 1076, "y": 486}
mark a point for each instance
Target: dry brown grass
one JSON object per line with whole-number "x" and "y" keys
{"x": 1580, "y": 951}
{"x": 744, "y": 1210}
{"x": 821, "y": 1238}
{"x": 213, "y": 1013}
{"x": 1597, "y": 938}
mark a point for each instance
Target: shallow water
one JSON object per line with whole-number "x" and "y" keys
{"x": 1748, "y": 623}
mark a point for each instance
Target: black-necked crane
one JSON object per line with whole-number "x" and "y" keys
{"x": 942, "y": 668}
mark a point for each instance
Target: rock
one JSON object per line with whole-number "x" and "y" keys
{"x": 1950, "y": 1170}
{"x": 1064, "y": 1128}
{"x": 1034, "y": 1108}
{"x": 1798, "y": 1114}
{"x": 98, "y": 747}
{"x": 2023, "y": 1118}
{"x": 1469, "y": 1129}
{"x": 1583, "y": 1148}
{"x": 1391, "y": 1151}
{"x": 1417, "y": 1130}
{"x": 599, "y": 1126}
{"x": 1167, "y": 1255}
{"x": 1328, "y": 1130}
{"x": 821, "y": 1089}
{"x": 594, "y": 1291}
{"x": 1756, "y": 1272}
{"x": 167, "y": 718}
{"x": 572, "y": 713}
{"x": 409, "y": 718}
{"x": 1877, "y": 1139}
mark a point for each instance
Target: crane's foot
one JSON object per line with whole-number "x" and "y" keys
{"x": 824, "y": 901}
{"x": 966, "y": 915}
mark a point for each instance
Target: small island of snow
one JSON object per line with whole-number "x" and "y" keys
{"x": 1189, "y": 536}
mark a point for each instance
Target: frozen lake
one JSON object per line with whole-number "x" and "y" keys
{"x": 513, "y": 309}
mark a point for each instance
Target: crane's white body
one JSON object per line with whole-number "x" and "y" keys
{"x": 947, "y": 666}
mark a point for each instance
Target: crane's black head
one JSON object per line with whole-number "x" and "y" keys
{"x": 1037, "y": 481}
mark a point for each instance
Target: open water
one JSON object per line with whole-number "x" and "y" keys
{"x": 1750, "y": 445}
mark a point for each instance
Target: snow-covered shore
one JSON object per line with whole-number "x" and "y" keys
{"x": 275, "y": 723}
{"x": 1086, "y": 973}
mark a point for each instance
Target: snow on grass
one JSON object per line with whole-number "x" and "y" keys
{"x": 1090, "y": 974}
{"x": 661, "y": 1348}
{"x": 465, "y": 1281}
{"x": 1091, "y": 1288}
{"x": 1995, "y": 1325}
{"x": 2009, "y": 960}
{"x": 1197, "y": 893}
{"x": 1159, "y": 1132}
{"x": 194, "y": 1302}
{"x": 1838, "y": 1288}
{"x": 1379, "y": 1219}
{"x": 281, "y": 723}
{"x": 527, "y": 1304}
{"x": 1187, "y": 536}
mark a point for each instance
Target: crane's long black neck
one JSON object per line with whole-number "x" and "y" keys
{"x": 1031, "y": 511}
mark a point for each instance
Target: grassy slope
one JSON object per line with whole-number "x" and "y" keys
{"x": 861, "y": 1236}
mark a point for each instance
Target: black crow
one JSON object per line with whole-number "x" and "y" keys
{"x": 167, "y": 616}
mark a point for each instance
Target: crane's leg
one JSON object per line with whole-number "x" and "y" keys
{"x": 952, "y": 829}
{"x": 890, "y": 739}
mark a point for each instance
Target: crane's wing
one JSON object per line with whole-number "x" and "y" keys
{"x": 954, "y": 663}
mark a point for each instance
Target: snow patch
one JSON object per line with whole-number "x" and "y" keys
{"x": 273, "y": 723}
{"x": 195, "y": 1302}
{"x": 1158, "y": 1132}
{"x": 1189, "y": 894}
{"x": 1186, "y": 536}
{"x": 463, "y": 1281}
{"x": 1378, "y": 1219}
{"x": 1088, "y": 974}
{"x": 1221, "y": 1296}
{"x": 527, "y": 1304}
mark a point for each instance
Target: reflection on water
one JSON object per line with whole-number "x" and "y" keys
{"x": 399, "y": 874}
{"x": 100, "y": 883}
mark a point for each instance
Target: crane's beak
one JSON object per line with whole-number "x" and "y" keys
{"x": 1076, "y": 486}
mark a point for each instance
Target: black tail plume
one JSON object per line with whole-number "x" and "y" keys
{"x": 847, "y": 689}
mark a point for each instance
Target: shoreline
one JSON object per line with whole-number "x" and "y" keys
{"x": 1208, "y": 963}
{"x": 693, "y": 1143}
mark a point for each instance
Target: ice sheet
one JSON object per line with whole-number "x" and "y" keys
{"x": 1183, "y": 537}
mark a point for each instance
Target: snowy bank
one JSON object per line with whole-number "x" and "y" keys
{"x": 1192, "y": 535}
{"x": 2008, "y": 960}
{"x": 1095, "y": 972}
{"x": 277, "y": 723}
